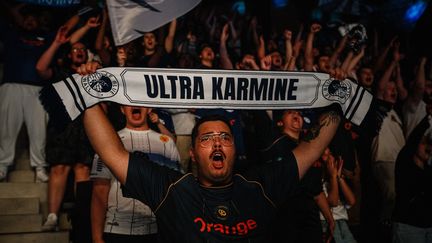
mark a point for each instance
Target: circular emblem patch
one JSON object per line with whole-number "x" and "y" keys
{"x": 221, "y": 212}
{"x": 164, "y": 138}
{"x": 100, "y": 84}
{"x": 336, "y": 90}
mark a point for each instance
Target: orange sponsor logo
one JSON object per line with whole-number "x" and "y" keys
{"x": 241, "y": 228}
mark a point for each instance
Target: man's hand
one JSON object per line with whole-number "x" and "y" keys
{"x": 154, "y": 117}
{"x": 61, "y": 36}
{"x": 331, "y": 165}
{"x": 93, "y": 22}
{"x": 338, "y": 73}
{"x": 121, "y": 56}
{"x": 315, "y": 28}
{"x": 249, "y": 61}
{"x": 266, "y": 63}
{"x": 88, "y": 68}
{"x": 287, "y": 35}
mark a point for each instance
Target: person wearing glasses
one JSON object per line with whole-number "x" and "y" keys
{"x": 67, "y": 148}
{"x": 216, "y": 205}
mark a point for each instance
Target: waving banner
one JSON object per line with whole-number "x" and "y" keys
{"x": 131, "y": 18}
{"x": 200, "y": 88}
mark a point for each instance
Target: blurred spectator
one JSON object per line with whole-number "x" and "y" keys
{"x": 116, "y": 218}
{"x": 24, "y": 41}
{"x": 413, "y": 214}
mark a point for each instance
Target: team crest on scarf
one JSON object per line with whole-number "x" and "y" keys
{"x": 100, "y": 84}
{"x": 336, "y": 90}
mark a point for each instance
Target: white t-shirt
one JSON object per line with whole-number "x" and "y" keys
{"x": 340, "y": 211}
{"x": 126, "y": 215}
{"x": 184, "y": 121}
{"x": 412, "y": 115}
{"x": 390, "y": 140}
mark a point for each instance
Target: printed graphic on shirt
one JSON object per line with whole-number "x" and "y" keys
{"x": 239, "y": 228}
{"x": 221, "y": 212}
{"x": 164, "y": 138}
{"x": 127, "y": 215}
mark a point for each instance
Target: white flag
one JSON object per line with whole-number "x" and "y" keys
{"x": 130, "y": 18}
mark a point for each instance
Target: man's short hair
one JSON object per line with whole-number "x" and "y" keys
{"x": 203, "y": 46}
{"x": 309, "y": 116}
{"x": 214, "y": 117}
{"x": 278, "y": 114}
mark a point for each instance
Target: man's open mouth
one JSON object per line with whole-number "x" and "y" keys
{"x": 217, "y": 156}
{"x": 218, "y": 160}
{"x": 136, "y": 113}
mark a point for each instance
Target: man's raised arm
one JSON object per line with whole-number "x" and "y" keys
{"x": 309, "y": 151}
{"x": 103, "y": 137}
{"x": 106, "y": 142}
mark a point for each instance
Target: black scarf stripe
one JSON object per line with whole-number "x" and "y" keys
{"x": 357, "y": 105}
{"x": 73, "y": 95}
{"x": 79, "y": 93}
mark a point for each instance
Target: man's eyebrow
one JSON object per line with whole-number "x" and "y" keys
{"x": 210, "y": 133}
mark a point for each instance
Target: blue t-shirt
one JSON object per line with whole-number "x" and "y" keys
{"x": 22, "y": 50}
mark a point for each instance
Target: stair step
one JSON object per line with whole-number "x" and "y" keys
{"x": 20, "y": 223}
{"x": 18, "y": 206}
{"x": 24, "y": 190}
{"x": 20, "y": 176}
{"x": 41, "y": 237}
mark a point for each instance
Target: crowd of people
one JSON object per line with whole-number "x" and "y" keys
{"x": 200, "y": 175}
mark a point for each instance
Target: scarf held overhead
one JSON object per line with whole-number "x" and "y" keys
{"x": 209, "y": 89}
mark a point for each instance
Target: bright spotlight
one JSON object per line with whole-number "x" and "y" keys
{"x": 415, "y": 11}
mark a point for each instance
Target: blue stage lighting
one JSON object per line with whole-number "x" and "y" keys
{"x": 316, "y": 14}
{"x": 280, "y": 3}
{"x": 240, "y": 7}
{"x": 415, "y": 11}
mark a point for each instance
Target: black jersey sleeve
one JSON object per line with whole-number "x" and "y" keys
{"x": 314, "y": 180}
{"x": 147, "y": 181}
{"x": 279, "y": 179}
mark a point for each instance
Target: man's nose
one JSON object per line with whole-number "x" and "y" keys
{"x": 216, "y": 141}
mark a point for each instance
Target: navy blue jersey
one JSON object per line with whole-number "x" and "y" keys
{"x": 21, "y": 53}
{"x": 186, "y": 211}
